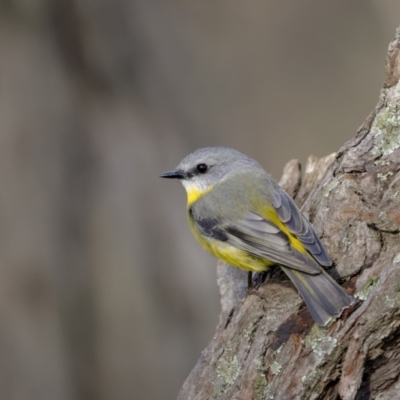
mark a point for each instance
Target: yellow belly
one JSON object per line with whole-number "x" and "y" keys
{"x": 239, "y": 258}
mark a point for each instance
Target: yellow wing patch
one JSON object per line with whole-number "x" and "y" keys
{"x": 270, "y": 214}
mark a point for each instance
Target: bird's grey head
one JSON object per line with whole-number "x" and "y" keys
{"x": 208, "y": 166}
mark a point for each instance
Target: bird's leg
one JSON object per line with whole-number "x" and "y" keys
{"x": 267, "y": 276}
{"x": 250, "y": 289}
{"x": 262, "y": 278}
{"x": 257, "y": 281}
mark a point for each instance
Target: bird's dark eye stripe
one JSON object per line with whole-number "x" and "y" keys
{"x": 202, "y": 168}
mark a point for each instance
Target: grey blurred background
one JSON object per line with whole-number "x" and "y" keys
{"x": 104, "y": 294}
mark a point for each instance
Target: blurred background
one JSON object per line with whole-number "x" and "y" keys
{"x": 104, "y": 294}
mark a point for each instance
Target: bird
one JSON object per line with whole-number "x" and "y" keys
{"x": 241, "y": 215}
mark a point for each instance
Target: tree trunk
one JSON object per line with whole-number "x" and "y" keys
{"x": 266, "y": 345}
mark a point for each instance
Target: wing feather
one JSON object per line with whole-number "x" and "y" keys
{"x": 297, "y": 224}
{"x": 260, "y": 238}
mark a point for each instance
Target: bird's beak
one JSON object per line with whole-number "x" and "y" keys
{"x": 173, "y": 174}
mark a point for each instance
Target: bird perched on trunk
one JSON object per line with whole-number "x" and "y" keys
{"x": 241, "y": 215}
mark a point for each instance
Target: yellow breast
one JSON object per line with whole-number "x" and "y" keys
{"x": 195, "y": 193}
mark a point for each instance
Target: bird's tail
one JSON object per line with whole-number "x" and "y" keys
{"x": 324, "y": 298}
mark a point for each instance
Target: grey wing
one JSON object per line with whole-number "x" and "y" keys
{"x": 260, "y": 238}
{"x": 291, "y": 216}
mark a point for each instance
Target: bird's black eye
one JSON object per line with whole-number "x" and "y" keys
{"x": 202, "y": 168}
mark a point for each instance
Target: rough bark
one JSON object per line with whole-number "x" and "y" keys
{"x": 266, "y": 346}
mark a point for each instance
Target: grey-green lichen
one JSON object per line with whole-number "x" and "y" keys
{"x": 397, "y": 89}
{"x": 346, "y": 241}
{"x": 381, "y": 162}
{"x": 396, "y": 258}
{"x": 259, "y": 364}
{"x": 393, "y": 301}
{"x": 275, "y": 368}
{"x": 386, "y": 128}
{"x": 249, "y": 331}
{"x": 397, "y": 35}
{"x": 271, "y": 317}
{"x": 312, "y": 378}
{"x": 383, "y": 177}
{"x": 228, "y": 370}
{"x": 394, "y": 195}
{"x": 319, "y": 342}
{"x": 330, "y": 186}
{"x": 262, "y": 390}
{"x": 366, "y": 290}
